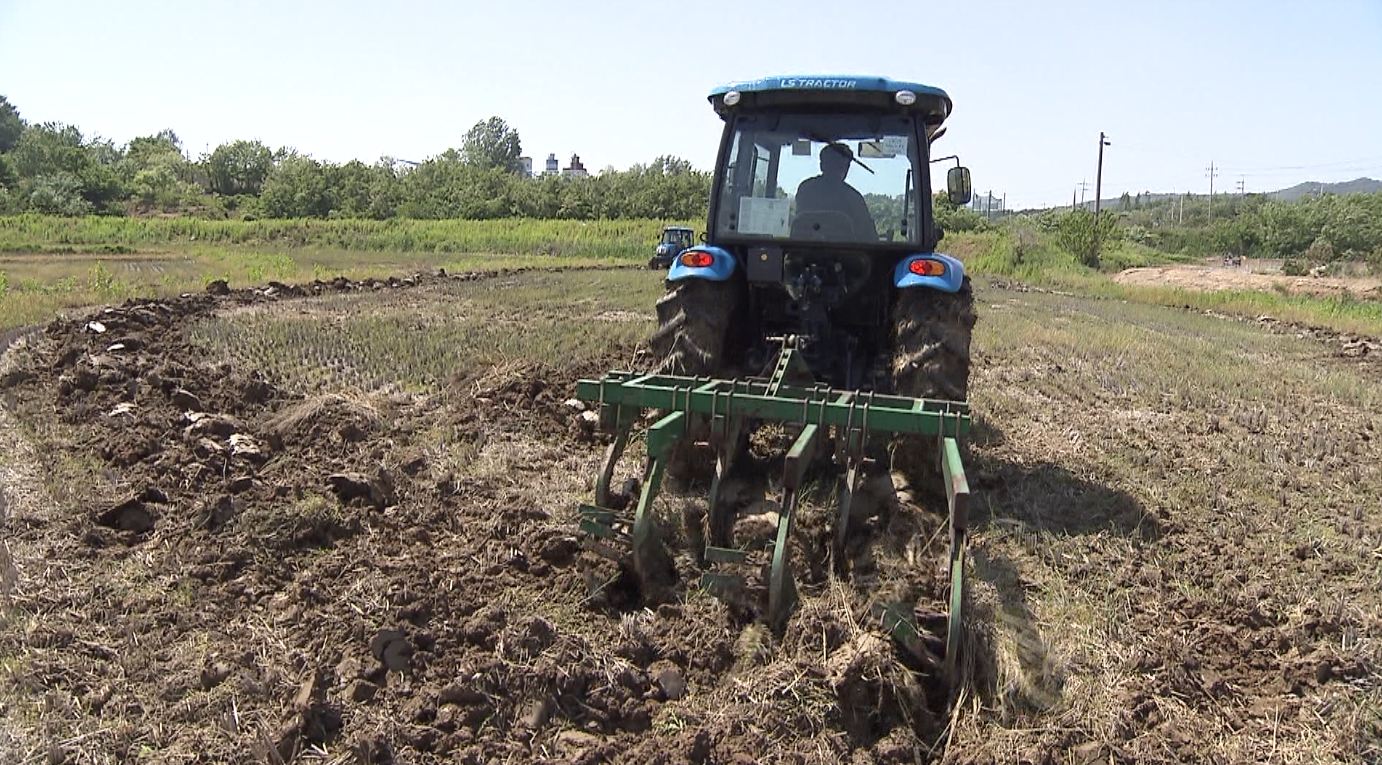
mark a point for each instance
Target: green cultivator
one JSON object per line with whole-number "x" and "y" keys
{"x": 730, "y": 407}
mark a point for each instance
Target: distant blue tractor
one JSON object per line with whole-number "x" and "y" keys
{"x": 817, "y": 304}
{"x": 675, "y": 239}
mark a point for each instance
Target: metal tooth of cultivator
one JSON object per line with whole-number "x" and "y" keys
{"x": 782, "y": 590}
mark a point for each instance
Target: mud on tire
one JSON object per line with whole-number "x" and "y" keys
{"x": 693, "y": 337}
{"x": 931, "y": 333}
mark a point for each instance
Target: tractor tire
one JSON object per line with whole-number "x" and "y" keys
{"x": 694, "y": 319}
{"x": 931, "y": 333}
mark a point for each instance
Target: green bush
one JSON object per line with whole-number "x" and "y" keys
{"x": 1083, "y": 235}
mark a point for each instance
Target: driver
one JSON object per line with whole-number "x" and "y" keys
{"x": 828, "y": 192}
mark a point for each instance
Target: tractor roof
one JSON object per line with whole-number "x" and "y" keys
{"x": 932, "y": 102}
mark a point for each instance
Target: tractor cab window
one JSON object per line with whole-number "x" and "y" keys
{"x": 680, "y": 237}
{"x": 827, "y": 178}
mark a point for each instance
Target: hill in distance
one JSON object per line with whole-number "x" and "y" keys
{"x": 1292, "y": 194}
{"x": 1315, "y": 188}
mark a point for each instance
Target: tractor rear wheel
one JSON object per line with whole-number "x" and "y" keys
{"x": 693, "y": 336}
{"x": 693, "y": 320}
{"x": 931, "y": 332}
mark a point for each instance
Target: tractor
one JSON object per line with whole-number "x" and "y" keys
{"x": 818, "y": 301}
{"x": 675, "y": 240}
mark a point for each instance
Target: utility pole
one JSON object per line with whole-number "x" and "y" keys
{"x": 1083, "y": 185}
{"x": 1240, "y": 187}
{"x": 990, "y": 204}
{"x": 1099, "y": 175}
{"x": 1072, "y": 200}
{"x": 1004, "y": 208}
{"x": 1211, "y": 172}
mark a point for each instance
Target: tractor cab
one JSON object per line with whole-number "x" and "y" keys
{"x": 835, "y": 160}
{"x": 675, "y": 239}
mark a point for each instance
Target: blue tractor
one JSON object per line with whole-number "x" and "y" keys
{"x": 675, "y": 240}
{"x": 817, "y": 301}
{"x": 821, "y": 230}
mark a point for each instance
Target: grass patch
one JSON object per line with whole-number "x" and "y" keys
{"x": 1023, "y": 254}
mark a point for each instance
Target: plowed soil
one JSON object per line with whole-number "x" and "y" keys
{"x": 227, "y": 538}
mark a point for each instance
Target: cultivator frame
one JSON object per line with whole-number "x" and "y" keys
{"x": 731, "y": 406}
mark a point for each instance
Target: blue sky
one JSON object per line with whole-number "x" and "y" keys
{"x": 1273, "y": 92}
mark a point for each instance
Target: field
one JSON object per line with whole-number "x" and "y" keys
{"x": 362, "y": 548}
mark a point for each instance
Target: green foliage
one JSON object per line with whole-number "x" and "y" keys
{"x": 239, "y": 167}
{"x": 953, "y": 218}
{"x": 1084, "y": 235}
{"x": 11, "y": 126}
{"x": 492, "y": 144}
{"x": 1256, "y": 226}
{"x": 59, "y": 193}
{"x": 627, "y": 240}
{"x": 296, "y": 188}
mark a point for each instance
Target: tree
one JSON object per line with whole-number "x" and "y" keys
{"x": 296, "y": 188}
{"x": 239, "y": 167}
{"x": 53, "y": 158}
{"x": 669, "y": 165}
{"x": 10, "y": 125}
{"x": 156, "y": 171}
{"x": 1083, "y": 235}
{"x": 492, "y": 143}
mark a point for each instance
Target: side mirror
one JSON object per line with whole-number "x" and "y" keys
{"x": 957, "y": 186}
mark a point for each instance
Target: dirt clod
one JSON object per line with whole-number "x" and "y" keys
{"x": 131, "y": 515}
{"x": 360, "y": 691}
{"x": 357, "y": 487}
{"x": 392, "y": 648}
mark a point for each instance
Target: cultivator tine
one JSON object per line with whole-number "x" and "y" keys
{"x": 612, "y": 454}
{"x": 849, "y": 489}
{"x": 662, "y": 436}
{"x": 898, "y": 621}
{"x": 782, "y": 589}
{"x": 957, "y": 497}
{"x": 727, "y": 433}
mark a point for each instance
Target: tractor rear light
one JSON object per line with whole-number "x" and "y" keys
{"x": 732, "y": 98}
{"x": 697, "y": 259}
{"x": 922, "y": 267}
{"x": 906, "y": 97}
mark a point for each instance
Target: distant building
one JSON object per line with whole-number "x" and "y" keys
{"x": 551, "y": 165}
{"x": 576, "y": 170}
{"x": 525, "y": 164}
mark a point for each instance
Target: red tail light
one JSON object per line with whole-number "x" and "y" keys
{"x": 697, "y": 259}
{"x": 927, "y": 267}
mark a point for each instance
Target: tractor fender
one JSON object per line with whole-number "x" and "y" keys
{"x": 721, "y": 265}
{"x": 949, "y": 281}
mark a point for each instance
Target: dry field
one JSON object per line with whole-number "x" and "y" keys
{"x": 1264, "y": 275}
{"x": 360, "y": 547}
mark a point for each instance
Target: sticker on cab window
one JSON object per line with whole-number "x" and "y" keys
{"x": 764, "y": 217}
